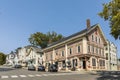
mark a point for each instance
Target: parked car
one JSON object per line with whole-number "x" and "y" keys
{"x": 52, "y": 68}
{"x": 31, "y": 67}
{"x": 41, "y": 68}
{"x": 17, "y": 66}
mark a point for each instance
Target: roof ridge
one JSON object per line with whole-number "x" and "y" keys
{"x": 72, "y": 35}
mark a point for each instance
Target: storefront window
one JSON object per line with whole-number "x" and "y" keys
{"x": 63, "y": 64}
{"x": 102, "y": 62}
{"x": 93, "y": 62}
{"x": 68, "y": 63}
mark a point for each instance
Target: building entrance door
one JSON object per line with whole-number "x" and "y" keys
{"x": 84, "y": 64}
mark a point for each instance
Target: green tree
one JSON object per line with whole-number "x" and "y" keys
{"x": 53, "y": 37}
{"x": 38, "y": 39}
{"x": 2, "y": 58}
{"x": 42, "y": 40}
{"x": 111, "y": 13}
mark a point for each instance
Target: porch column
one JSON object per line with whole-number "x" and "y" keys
{"x": 86, "y": 63}
{"x": 66, "y": 56}
{"x": 44, "y": 59}
{"x": 36, "y": 61}
{"x": 78, "y": 64}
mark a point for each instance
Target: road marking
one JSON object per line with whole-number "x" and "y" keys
{"x": 38, "y": 75}
{"x": 35, "y": 75}
{"x": 14, "y": 76}
{"x": 31, "y": 75}
{"x": 44, "y": 74}
{"x": 22, "y": 75}
{"x": 51, "y": 74}
{"x": 4, "y": 77}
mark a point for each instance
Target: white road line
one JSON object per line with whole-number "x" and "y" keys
{"x": 38, "y": 75}
{"x": 14, "y": 76}
{"x": 31, "y": 75}
{"x": 44, "y": 75}
{"x": 35, "y": 75}
{"x": 51, "y": 74}
{"x": 22, "y": 75}
{"x": 4, "y": 77}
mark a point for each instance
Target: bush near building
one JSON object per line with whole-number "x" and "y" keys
{"x": 2, "y": 58}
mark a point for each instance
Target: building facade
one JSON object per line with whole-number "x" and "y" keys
{"x": 34, "y": 56}
{"x": 25, "y": 56}
{"x": 81, "y": 51}
{"x": 111, "y": 56}
{"x": 10, "y": 59}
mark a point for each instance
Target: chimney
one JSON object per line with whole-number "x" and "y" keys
{"x": 88, "y": 23}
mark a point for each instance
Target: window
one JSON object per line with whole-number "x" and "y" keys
{"x": 70, "y": 51}
{"x": 92, "y": 38}
{"x": 102, "y": 62}
{"x": 56, "y": 53}
{"x": 51, "y": 56}
{"x": 96, "y": 39}
{"x": 40, "y": 55}
{"x": 93, "y": 62}
{"x": 96, "y": 50}
{"x": 78, "y": 49}
{"x": 88, "y": 48}
{"x": 106, "y": 48}
{"x": 93, "y": 49}
{"x": 106, "y": 56}
{"x": 100, "y": 51}
{"x": 99, "y": 40}
{"x": 62, "y": 53}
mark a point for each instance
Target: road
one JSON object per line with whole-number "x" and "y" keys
{"x": 24, "y": 74}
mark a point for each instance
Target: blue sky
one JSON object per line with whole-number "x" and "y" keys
{"x": 20, "y": 18}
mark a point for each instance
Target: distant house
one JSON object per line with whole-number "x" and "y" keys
{"x": 20, "y": 55}
{"x": 111, "y": 56}
{"x": 10, "y": 59}
{"x": 80, "y": 51}
{"x": 34, "y": 55}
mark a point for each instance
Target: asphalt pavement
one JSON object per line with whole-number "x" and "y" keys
{"x": 8, "y": 73}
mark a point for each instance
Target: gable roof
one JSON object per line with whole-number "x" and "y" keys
{"x": 82, "y": 33}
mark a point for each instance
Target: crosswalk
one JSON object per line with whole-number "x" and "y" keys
{"x": 33, "y": 75}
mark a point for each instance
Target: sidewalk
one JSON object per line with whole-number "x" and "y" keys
{"x": 81, "y": 72}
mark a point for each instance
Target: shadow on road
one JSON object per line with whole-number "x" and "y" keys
{"x": 6, "y": 69}
{"x": 109, "y": 75}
